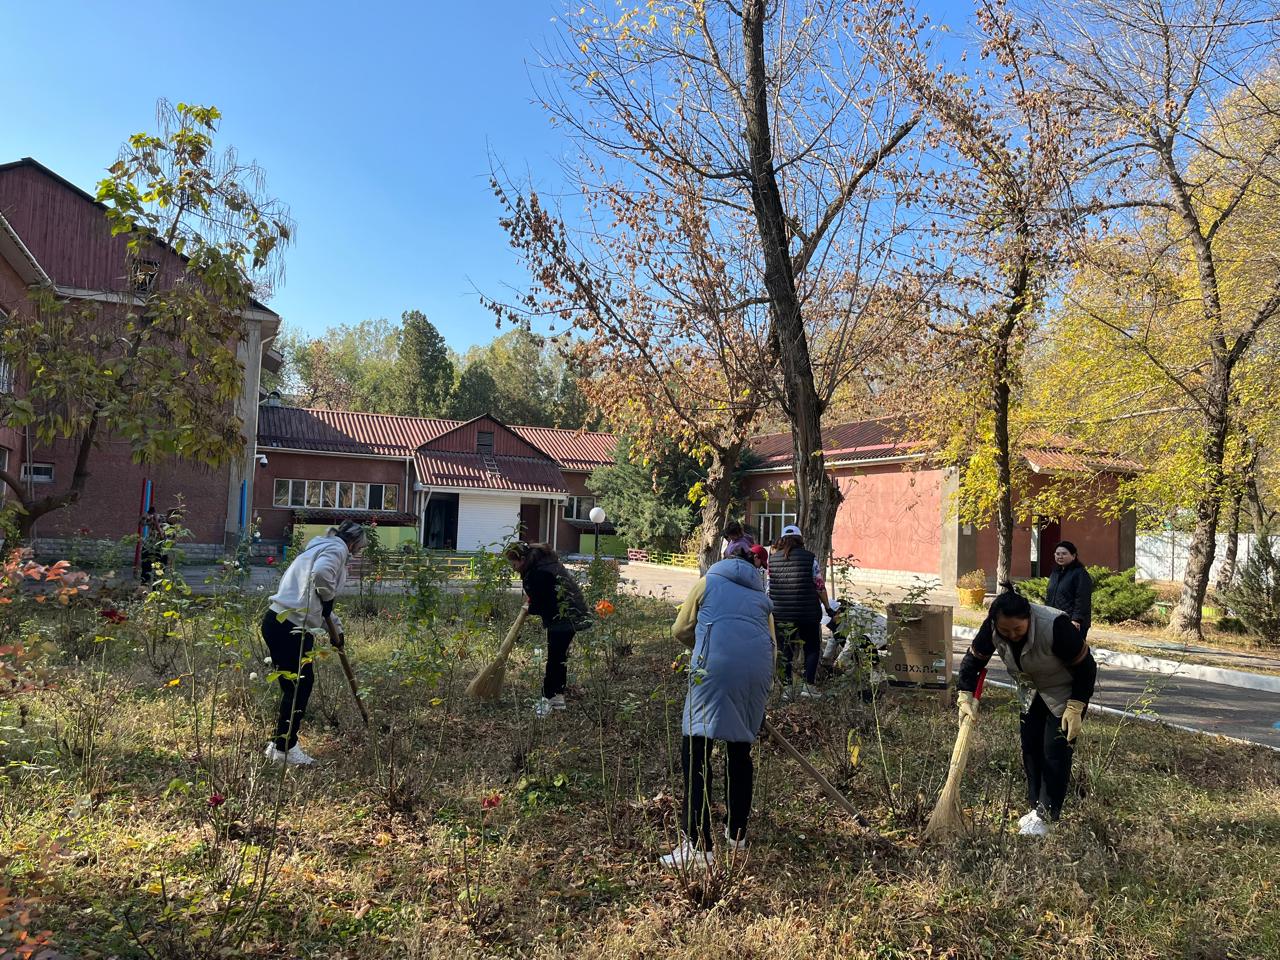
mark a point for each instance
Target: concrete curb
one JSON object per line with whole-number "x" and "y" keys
{"x": 1155, "y": 718}
{"x": 1170, "y": 668}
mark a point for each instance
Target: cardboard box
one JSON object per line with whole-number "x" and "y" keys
{"x": 919, "y": 645}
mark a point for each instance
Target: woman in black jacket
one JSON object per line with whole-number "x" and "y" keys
{"x": 552, "y": 594}
{"x": 799, "y": 597}
{"x": 1070, "y": 589}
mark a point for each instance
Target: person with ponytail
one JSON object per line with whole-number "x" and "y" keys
{"x": 1055, "y": 675}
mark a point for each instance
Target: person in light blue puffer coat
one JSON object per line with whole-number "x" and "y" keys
{"x": 727, "y": 619}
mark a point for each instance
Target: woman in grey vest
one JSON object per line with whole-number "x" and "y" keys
{"x": 1055, "y": 673}
{"x": 726, "y": 619}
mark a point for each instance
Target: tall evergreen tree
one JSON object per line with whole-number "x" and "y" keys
{"x": 423, "y": 367}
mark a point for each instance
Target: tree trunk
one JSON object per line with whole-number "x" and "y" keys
{"x": 819, "y": 496}
{"x": 33, "y": 510}
{"x": 715, "y": 506}
{"x": 1184, "y": 621}
{"x": 1004, "y": 466}
{"x": 1227, "y": 570}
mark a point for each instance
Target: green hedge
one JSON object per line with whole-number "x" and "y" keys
{"x": 1117, "y": 596}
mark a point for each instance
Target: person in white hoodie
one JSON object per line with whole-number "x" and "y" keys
{"x": 301, "y": 607}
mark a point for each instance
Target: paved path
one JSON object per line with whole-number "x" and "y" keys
{"x": 1252, "y": 715}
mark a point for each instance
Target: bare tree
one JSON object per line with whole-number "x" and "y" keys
{"x": 790, "y": 133}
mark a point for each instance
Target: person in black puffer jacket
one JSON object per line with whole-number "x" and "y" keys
{"x": 799, "y": 597}
{"x": 555, "y": 596}
{"x": 1070, "y": 587}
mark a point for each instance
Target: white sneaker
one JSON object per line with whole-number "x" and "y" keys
{"x": 685, "y": 856}
{"x": 1034, "y": 826}
{"x": 542, "y": 709}
{"x": 733, "y": 845}
{"x": 810, "y": 692}
{"x": 295, "y": 756}
{"x": 557, "y": 702}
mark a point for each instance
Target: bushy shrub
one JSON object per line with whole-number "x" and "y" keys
{"x": 1117, "y": 596}
{"x": 1034, "y": 589}
{"x": 1254, "y": 598}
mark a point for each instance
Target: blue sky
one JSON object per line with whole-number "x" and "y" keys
{"x": 374, "y": 122}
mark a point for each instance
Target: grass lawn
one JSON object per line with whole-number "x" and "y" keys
{"x": 138, "y": 819}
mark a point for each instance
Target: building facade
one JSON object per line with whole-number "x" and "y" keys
{"x": 438, "y": 484}
{"x": 897, "y": 522}
{"x": 54, "y": 235}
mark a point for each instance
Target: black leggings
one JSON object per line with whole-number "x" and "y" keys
{"x": 289, "y": 646}
{"x": 556, "y": 677}
{"x": 1046, "y": 756}
{"x": 739, "y": 774}
{"x": 810, "y": 633}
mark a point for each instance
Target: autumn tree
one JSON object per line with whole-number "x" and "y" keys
{"x": 348, "y": 367}
{"x": 676, "y": 346}
{"x": 999, "y": 216}
{"x": 1180, "y": 97}
{"x": 785, "y": 132}
{"x": 159, "y": 369}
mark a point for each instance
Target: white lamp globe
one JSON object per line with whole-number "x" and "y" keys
{"x": 597, "y": 514}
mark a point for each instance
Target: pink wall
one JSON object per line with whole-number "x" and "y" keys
{"x": 890, "y": 518}
{"x": 1097, "y": 538}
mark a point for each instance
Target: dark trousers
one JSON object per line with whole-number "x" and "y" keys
{"x": 289, "y": 646}
{"x": 1046, "y": 756}
{"x": 810, "y": 634}
{"x": 739, "y": 774}
{"x": 556, "y": 677}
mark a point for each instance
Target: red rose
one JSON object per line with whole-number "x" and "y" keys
{"x": 271, "y": 561}
{"x": 491, "y": 801}
{"x": 216, "y": 800}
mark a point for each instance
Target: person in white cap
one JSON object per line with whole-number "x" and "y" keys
{"x": 799, "y": 598}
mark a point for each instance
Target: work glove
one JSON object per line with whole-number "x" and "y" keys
{"x": 1072, "y": 719}
{"x": 968, "y": 706}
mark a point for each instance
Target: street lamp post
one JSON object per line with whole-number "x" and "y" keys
{"x": 597, "y": 516}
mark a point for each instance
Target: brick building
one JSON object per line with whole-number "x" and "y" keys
{"x": 441, "y": 484}
{"x": 896, "y": 521}
{"x": 55, "y": 235}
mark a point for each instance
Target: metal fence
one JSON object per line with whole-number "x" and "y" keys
{"x": 688, "y": 560}
{"x": 1163, "y": 555}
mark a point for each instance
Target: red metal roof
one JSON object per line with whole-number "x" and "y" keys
{"x": 387, "y": 435}
{"x": 345, "y": 431}
{"x": 863, "y": 440}
{"x": 574, "y": 450}
{"x": 445, "y": 468}
{"x": 869, "y": 440}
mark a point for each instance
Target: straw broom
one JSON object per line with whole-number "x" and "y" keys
{"x": 488, "y": 682}
{"x": 948, "y": 818}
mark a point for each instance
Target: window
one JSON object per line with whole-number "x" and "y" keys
{"x": 4, "y": 465}
{"x": 771, "y": 516}
{"x": 579, "y": 508}
{"x": 38, "y": 472}
{"x": 335, "y": 494}
{"x": 144, "y": 275}
{"x": 484, "y": 443}
{"x": 6, "y": 377}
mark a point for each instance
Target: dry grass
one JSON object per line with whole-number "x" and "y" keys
{"x": 1171, "y": 845}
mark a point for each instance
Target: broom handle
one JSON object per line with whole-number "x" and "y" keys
{"x": 509, "y": 640}
{"x": 839, "y": 798}
{"x": 956, "y": 769}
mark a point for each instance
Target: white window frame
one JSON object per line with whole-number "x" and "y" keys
{"x": 335, "y": 495}
{"x": 6, "y": 376}
{"x": 579, "y": 508}
{"x": 33, "y": 472}
{"x": 771, "y": 515}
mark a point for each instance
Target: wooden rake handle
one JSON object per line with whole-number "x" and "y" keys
{"x": 838, "y": 798}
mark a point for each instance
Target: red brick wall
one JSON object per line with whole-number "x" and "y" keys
{"x": 108, "y": 508}
{"x": 311, "y": 466}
